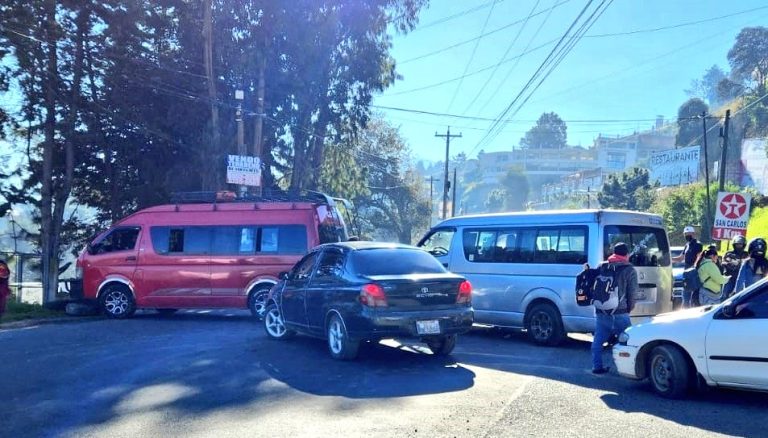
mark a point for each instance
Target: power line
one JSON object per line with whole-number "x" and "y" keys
{"x": 456, "y": 15}
{"x": 483, "y": 35}
{"x": 472, "y": 56}
{"x": 548, "y": 61}
{"x": 509, "y": 48}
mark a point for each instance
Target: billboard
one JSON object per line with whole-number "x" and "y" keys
{"x": 731, "y": 215}
{"x": 675, "y": 167}
{"x": 755, "y": 164}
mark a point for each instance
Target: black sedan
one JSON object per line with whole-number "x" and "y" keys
{"x": 352, "y": 292}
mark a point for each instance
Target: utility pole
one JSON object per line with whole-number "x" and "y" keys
{"x": 260, "y": 113}
{"x": 453, "y": 203}
{"x": 724, "y": 151}
{"x": 447, "y": 183}
{"x": 431, "y": 196}
{"x": 239, "y": 95}
{"x": 706, "y": 166}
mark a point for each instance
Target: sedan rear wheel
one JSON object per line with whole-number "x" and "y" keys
{"x": 274, "y": 324}
{"x": 442, "y": 346}
{"x": 339, "y": 344}
{"x": 669, "y": 371}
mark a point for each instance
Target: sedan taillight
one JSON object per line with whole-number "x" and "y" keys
{"x": 465, "y": 293}
{"x": 372, "y": 295}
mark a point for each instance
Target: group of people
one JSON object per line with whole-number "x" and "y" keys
{"x": 742, "y": 266}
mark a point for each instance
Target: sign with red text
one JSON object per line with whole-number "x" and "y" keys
{"x": 731, "y": 215}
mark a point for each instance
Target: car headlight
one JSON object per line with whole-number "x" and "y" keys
{"x": 623, "y": 338}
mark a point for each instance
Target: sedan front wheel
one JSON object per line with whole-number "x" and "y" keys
{"x": 274, "y": 324}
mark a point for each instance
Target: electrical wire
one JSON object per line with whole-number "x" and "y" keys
{"x": 456, "y": 15}
{"x": 472, "y": 56}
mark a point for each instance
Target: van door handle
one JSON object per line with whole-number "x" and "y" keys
{"x": 130, "y": 259}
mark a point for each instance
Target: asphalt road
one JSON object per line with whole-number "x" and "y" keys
{"x": 216, "y": 374}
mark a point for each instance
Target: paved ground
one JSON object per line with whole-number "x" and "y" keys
{"x": 215, "y": 374}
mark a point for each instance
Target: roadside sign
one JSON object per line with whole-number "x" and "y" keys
{"x": 731, "y": 216}
{"x": 243, "y": 170}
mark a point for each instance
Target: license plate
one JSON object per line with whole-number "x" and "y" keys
{"x": 430, "y": 327}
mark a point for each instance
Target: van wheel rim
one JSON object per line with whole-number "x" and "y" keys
{"x": 116, "y": 302}
{"x": 274, "y": 323}
{"x": 662, "y": 373}
{"x": 541, "y": 324}
{"x": 335, "y": 336}
{"x": 259, "y": 302}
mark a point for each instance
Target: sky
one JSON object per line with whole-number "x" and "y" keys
{"x": 608, "y": 84}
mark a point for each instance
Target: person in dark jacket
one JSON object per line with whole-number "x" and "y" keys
{"x": 689, "y": 255}
{"x": 755, "y": 267}
{"x": 612, "y": 323}
{"x": 732, "y": 263}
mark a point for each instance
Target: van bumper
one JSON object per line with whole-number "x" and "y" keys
{"x": 404, "y": 324}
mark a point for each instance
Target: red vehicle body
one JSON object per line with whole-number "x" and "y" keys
{"x": 204, "y": 255}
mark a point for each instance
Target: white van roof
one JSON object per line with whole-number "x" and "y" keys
{"x": 554, "y": 217}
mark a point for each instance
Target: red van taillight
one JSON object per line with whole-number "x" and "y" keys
{"x": 372, "y": 295}
{"x": 465, "y": 292}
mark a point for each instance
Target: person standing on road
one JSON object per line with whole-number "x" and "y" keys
{"x": 712, "y": 280}
{"x": 612, "y": 323}
{"x": 5, "y": 275}
{"x": 689, "y": 255}
{"x": 755, "y": 267}
{"x": 732, "y": 263}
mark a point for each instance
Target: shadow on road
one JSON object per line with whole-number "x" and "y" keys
{"x": 380, "y": 370}
{"x": 711, "y": 410}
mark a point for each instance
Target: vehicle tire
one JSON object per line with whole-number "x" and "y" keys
{"x": 442, "y": 346}
{"x": 544, "y": 325}
{"x": 274, "y": 324}
{"x": 116, "y": 301}
{"x": 257, "y": 301}
{"x": 668, "y": 371}
{"x": 339, "y": 344}
{"x": 166, "y": 312}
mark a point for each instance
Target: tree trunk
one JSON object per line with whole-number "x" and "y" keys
{"x": 50, "y": 83}
{"x": 210, "y": 152}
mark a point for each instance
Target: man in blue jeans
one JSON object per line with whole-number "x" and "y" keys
{"x": 611, "y": 323}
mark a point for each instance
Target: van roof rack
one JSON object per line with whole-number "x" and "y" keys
{"x": 210, "y": 197}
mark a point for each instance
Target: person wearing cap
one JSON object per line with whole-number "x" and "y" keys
{"x": 689, "y": 255}
{"x": 609, "y": 324}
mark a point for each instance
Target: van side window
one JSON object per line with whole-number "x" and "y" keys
{"x": 549, "y": 245}
{"x": 197, "y": 240}
{"x": 176, "y": 240}
{"x": 119, "y": 239}
{"x": 233, "y": 240}
{"x": 283, "y": 239}
{"x": 438, "y": 242}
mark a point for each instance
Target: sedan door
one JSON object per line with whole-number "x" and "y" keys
{"x": 737, "y": 346}
{"x": 325, "y": 288}
{"x": 292, "y": 298}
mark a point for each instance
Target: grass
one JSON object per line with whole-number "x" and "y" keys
{"x": 20, "y": 311}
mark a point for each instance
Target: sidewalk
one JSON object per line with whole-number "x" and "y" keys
{"x": 66, "y": 319}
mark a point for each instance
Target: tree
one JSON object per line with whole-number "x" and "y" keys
{"x": 728, "y": 89}
{"x": 749, "y": 57}
{"x": 387, "y": 191}
{"x": 688, "y": 122}
{"x": 494, "y": 203}
{"x": 516, "y": 188}
{"x": 630, "y": 190}
{"x": 706, "y": 87}
{"x": 550, "y": 132}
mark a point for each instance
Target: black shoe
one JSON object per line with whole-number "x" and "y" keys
{"x": 602, "y": 370}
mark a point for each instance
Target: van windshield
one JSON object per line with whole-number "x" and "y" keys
{"x": 648, "y": 247}
{"x": 437, "y": 242}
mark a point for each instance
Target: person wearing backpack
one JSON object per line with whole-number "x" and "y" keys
{"x": 712, "y": 280}
{"x": 689, "y": 255}
{"x": 612, "y": 314}
{"x": 755, "y": 267}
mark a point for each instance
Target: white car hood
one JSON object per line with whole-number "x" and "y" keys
{"x": 680, "y": 315}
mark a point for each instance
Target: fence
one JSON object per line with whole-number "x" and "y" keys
{"x": 26, "y": 276}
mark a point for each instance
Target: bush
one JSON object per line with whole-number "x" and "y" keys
{"x": 19, "y": 311}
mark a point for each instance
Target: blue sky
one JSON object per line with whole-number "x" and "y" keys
{"x": 615, "y": 77}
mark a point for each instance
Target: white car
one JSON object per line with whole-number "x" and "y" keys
{"x": 722, "y": 345}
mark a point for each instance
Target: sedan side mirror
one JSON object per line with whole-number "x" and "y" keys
{"x": 283, "y": 275}
{"x": 729, "y": 311}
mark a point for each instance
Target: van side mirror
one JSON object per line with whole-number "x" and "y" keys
{"x": 283, "y": 275}
{"x": 729, "y": 311}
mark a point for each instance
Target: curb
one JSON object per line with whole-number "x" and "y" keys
{"x": 44, "y": 321}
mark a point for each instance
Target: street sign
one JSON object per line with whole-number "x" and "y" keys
{"x": 731, "y": 216}
{"x": 243, "y": 170}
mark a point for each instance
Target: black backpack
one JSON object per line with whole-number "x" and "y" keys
{"x": 597, "y": 287}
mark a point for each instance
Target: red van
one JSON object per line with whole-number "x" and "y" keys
{"x": 196, "y": 254}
